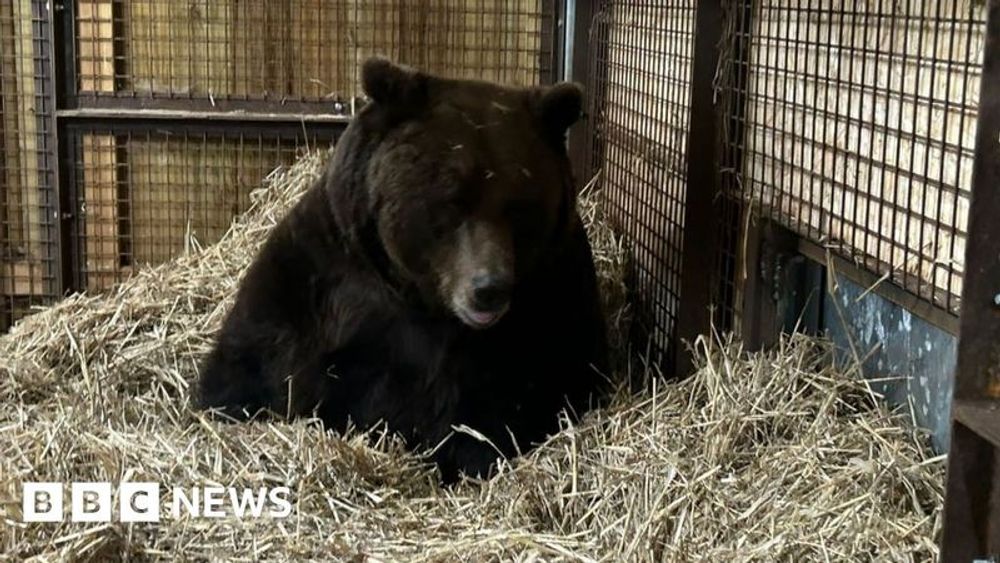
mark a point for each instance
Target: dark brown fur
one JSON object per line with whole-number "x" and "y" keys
{"x": 357, "y": 307}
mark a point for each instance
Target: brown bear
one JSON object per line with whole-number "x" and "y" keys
{"x": 437, "y": 276}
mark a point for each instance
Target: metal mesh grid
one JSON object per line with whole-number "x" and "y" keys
{"x": 300, "y": 50}
{"x": 858, "y": 130}
{"x": 144, "y": 197}
{"x": 731, "y": 80}
{"x": 28, "y": 203}
{"x": 640, "y": 84}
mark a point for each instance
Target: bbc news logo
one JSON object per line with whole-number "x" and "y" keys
{"x": 140, "y": 502}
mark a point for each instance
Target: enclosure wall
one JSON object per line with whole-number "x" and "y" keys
{"x": 850, "y": 123}
{"x": 853, "y": 124}
{"x": 29, "y": 273}
{"x": 640, "y": 88}
{"x": 299, "y": 50}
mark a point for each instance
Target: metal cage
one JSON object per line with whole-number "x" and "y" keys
{"x": 130, "y": 128}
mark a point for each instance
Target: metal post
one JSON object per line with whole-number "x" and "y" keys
{"x": 700, "y": 233}
{"x": 737, "y": 299}
{"x": 569, "y": 29}
{"x": 64, "y": 81}
{"x": 46, "y": 76}
{"x": 972, "y": 503}
{"x": 578, "y": 64}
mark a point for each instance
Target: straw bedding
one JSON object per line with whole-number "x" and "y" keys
{"x": 776, "y": 456}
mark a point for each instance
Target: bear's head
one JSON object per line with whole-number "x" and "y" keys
{"x": 465, "y": 185}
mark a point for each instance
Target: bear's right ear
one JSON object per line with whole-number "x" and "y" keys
{"x": 559, "y": 107}
{"x": 393, "y": 85}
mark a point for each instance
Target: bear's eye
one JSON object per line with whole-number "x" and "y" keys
{"x": 441, "y": 223}
{"x": 445, "y": 215}
{"x": 523, "y": 208}
{"x": 458, "y": 202}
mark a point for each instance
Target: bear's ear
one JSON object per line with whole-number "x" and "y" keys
{"x": 559, "y": 107}
{"x": 391, "y": 84}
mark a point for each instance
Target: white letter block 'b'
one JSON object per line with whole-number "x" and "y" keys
{"x": 90, "y": 502}
{"x": 42, "y": 502}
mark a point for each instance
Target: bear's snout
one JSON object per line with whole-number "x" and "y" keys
{"x": 484, "y": 270}
{"x": 485, "y": 299}
{"x": 491, "y": 292}
{"x": 488, "y": 300}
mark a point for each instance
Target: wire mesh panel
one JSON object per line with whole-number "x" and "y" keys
{"x": 144, "y": 197}
{"x": 143, "y": 190}
{"x": 28, "y": 203}
{"x": 856, "y": 129}
{"x": 640, "y": 95}
{"x": 137, "y": 190}
{"x": 301, "y": 50}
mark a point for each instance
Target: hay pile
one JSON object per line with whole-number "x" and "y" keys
{"x": 756, "y": 457}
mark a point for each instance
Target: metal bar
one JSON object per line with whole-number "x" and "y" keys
{"x": 63, "y": 75}
{"x": 980, "y": 417}
{"x": 969, "y": 526}
{"x": 64, "y": 59}
{"x": 71, "y": 256}
{"x": 972, "y": 515}
{"x": 327, "y": 130}
{"x": 555, "y": 35}
{"x": 581, "y": 137}
{"x": 978, "y": 376}
{"x": 45, "y": 73}
{"x": 208, "y": 105}
{"x": 739, "y": 247}
{"x": 569, "y": 21}
{"x": 549, "y": 55}
{"x": 156, "y": 115}
{"x": 700, "y": 232}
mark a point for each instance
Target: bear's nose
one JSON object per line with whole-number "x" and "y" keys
{"x": 490, "y": 292}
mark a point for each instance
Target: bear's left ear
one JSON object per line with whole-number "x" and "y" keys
{"x": 559, "y": 107}
{"x": 391, "y": 84}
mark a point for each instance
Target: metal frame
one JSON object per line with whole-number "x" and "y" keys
{"x": 642, "y": 166}
{"x": 701, "y": 234}
{"x": 579, "y": 71}
{"x": 49, "y": 101}
{"x": 733, "y": 211}
{"x": 45, "y": 285}
{"x": 972, "y": 501}
{"x": 701, "y": 243}
{"x": 797, "y": 49}
{"x": 46, "y": 111}
{"x": 181, "y": 115}
{"x": 260, "y": 137}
